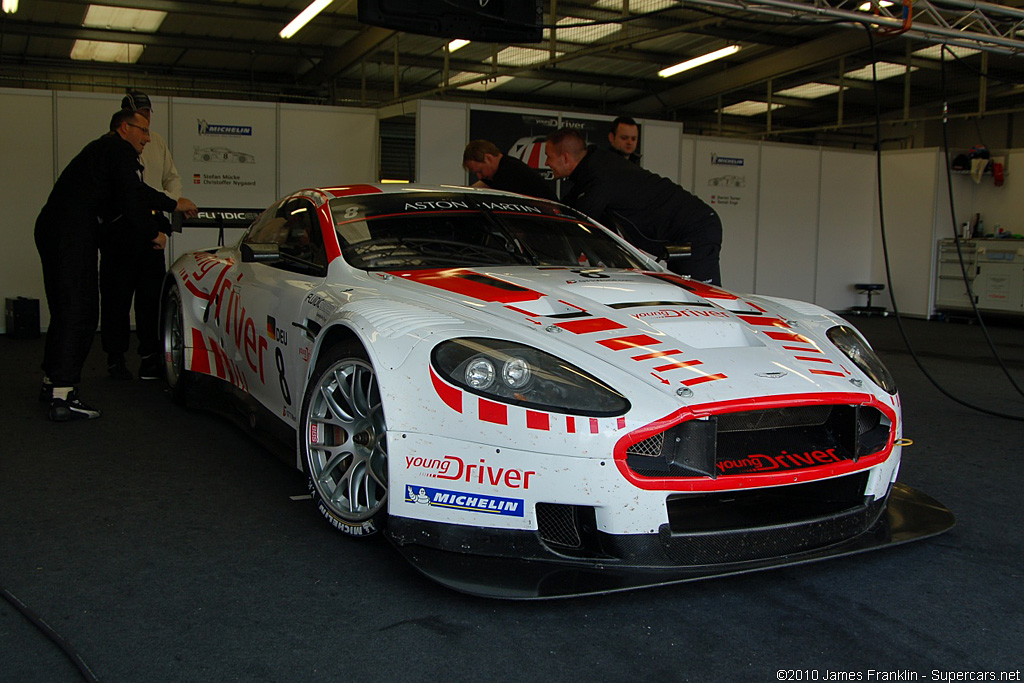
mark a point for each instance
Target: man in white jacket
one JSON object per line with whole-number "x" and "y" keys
{"x": 130, "y": 269}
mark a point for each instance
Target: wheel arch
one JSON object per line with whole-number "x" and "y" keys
{"x": 337, "y": 333}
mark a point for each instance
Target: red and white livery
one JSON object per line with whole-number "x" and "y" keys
{"x": 527, "y": 406}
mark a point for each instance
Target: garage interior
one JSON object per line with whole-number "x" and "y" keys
{"x": 167, "y": 544}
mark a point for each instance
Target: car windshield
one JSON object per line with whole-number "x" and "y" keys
{"x": 410, "y": 231}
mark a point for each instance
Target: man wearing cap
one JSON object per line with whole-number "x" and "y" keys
{"x": 101, "y": 189}
{"x": 132, "y": 268}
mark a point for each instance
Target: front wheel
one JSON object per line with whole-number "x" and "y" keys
{"x": 344, "y": 442}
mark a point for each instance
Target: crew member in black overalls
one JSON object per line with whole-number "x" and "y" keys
{"x": 101, "y": 186}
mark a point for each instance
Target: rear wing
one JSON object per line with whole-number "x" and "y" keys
{"x": 216, "y": 218}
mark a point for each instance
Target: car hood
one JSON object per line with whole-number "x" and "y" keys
{"x": 669, "y": 331}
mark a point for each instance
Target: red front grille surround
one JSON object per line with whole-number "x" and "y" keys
{"x": 752, "y": 480}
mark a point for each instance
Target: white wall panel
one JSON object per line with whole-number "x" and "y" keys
{"x": 787, "y": 221}
{"x": 846, "y": 227}
{"x": 81, "y": 118}
{"x": 326, "y": 146}
{"x": 726, "y": 177}
{"x": 910, "y": 180}
{"x": 661, "y": 148}
{"x": 27, "y": 146}
{"x": 226, "y": 153}
{"x": 687, "y": 150}
{"x": 442, "y": 131}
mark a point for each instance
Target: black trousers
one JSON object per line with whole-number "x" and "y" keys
{"x": 129, "y": 271}
{"x": 705, "y": 238}
{"x": 67, "y": 250}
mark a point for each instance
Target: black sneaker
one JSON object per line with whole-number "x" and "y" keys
{"x": 70, "y": 408}
{"x": 116, "y": 366}
{"x": 46, "y": 393}
{"x": 152, "y": 367}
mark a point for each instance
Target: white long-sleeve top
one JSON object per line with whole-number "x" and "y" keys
{"x": 160, "y": 172}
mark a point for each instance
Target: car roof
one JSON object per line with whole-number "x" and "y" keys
{"x": 337, "y": 191}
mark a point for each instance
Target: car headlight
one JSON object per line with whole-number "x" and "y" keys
{"x": 857, "y": 350}
{"x": 521, "y": 375}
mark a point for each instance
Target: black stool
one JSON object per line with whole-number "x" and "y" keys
{"x": 869, "y": 289}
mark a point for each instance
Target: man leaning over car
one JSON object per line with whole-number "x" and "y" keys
{"x": 652, "y": 212}
{"x": 100, "y": 187}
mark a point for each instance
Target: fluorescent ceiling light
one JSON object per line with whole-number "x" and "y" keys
{"x": 698, "y": 61}
{"x": 580, "y": 34}
{"x": 937, "y": 52}
{"x": 457, "y": 44}
{"x": 883, "y": 70}
{"x": 122, "y": 19}
{"x": 99, "y": 51}
{"x": 810, "y": 91}
{"x": 10, "y": 6}
{"x": 304, "y": 17}
{"x": 868, "y": 6}
{"x": 749, "y": 108}
{"x": 117, "y": 19}
{"x": 636, "y": 6}
{"x": 523, "y": 56}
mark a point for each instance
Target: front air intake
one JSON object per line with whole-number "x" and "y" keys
{"x": 753, "y": 441}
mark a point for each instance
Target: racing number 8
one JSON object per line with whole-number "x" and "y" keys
{"x": 279, "y": 358}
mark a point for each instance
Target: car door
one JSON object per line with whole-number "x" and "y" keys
{"x": 266, "y": 298}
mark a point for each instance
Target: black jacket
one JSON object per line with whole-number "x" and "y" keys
{"x": 614, "y": 191}
{"x": 515, "y": 176}
{"x": 102, "y": 186}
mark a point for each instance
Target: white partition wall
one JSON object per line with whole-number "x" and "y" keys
{"x": 787, "y": 221}
{"x": 910, "y": 180}
{"x": 726, "y": 176}
{"x": 27, "y": 144}
{"x": 342, "y": 149}
{"x": 687, "y": 152}
{"x": 226, "y": 153}
{"x": 442, "y": 131}
{"x": 661, "y": 148}
{"x": 846, "y": 227}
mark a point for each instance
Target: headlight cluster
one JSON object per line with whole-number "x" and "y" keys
{"x": 858, "y": 351}
{"x": 521, "y": 375}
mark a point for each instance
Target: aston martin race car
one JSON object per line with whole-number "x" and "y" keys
{"x": 527, "y": 406}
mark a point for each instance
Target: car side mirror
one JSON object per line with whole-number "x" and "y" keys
{"x": 260, "y": 252}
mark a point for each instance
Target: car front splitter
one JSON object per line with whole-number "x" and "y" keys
{"x": 909, "y": 516}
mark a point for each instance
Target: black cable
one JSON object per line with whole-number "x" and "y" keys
{"x": 48, "y": 631}
{"x": 956, "y": 238}
{"x": 885, "y": 246}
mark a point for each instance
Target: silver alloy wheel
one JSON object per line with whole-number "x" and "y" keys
{"x": 173, "y": 338}
{"x": 346, "y": 442}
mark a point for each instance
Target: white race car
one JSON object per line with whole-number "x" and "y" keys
{"x": 527, "y": 406}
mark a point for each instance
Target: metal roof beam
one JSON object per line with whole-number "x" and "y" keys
{"x": 967, "y": 23}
